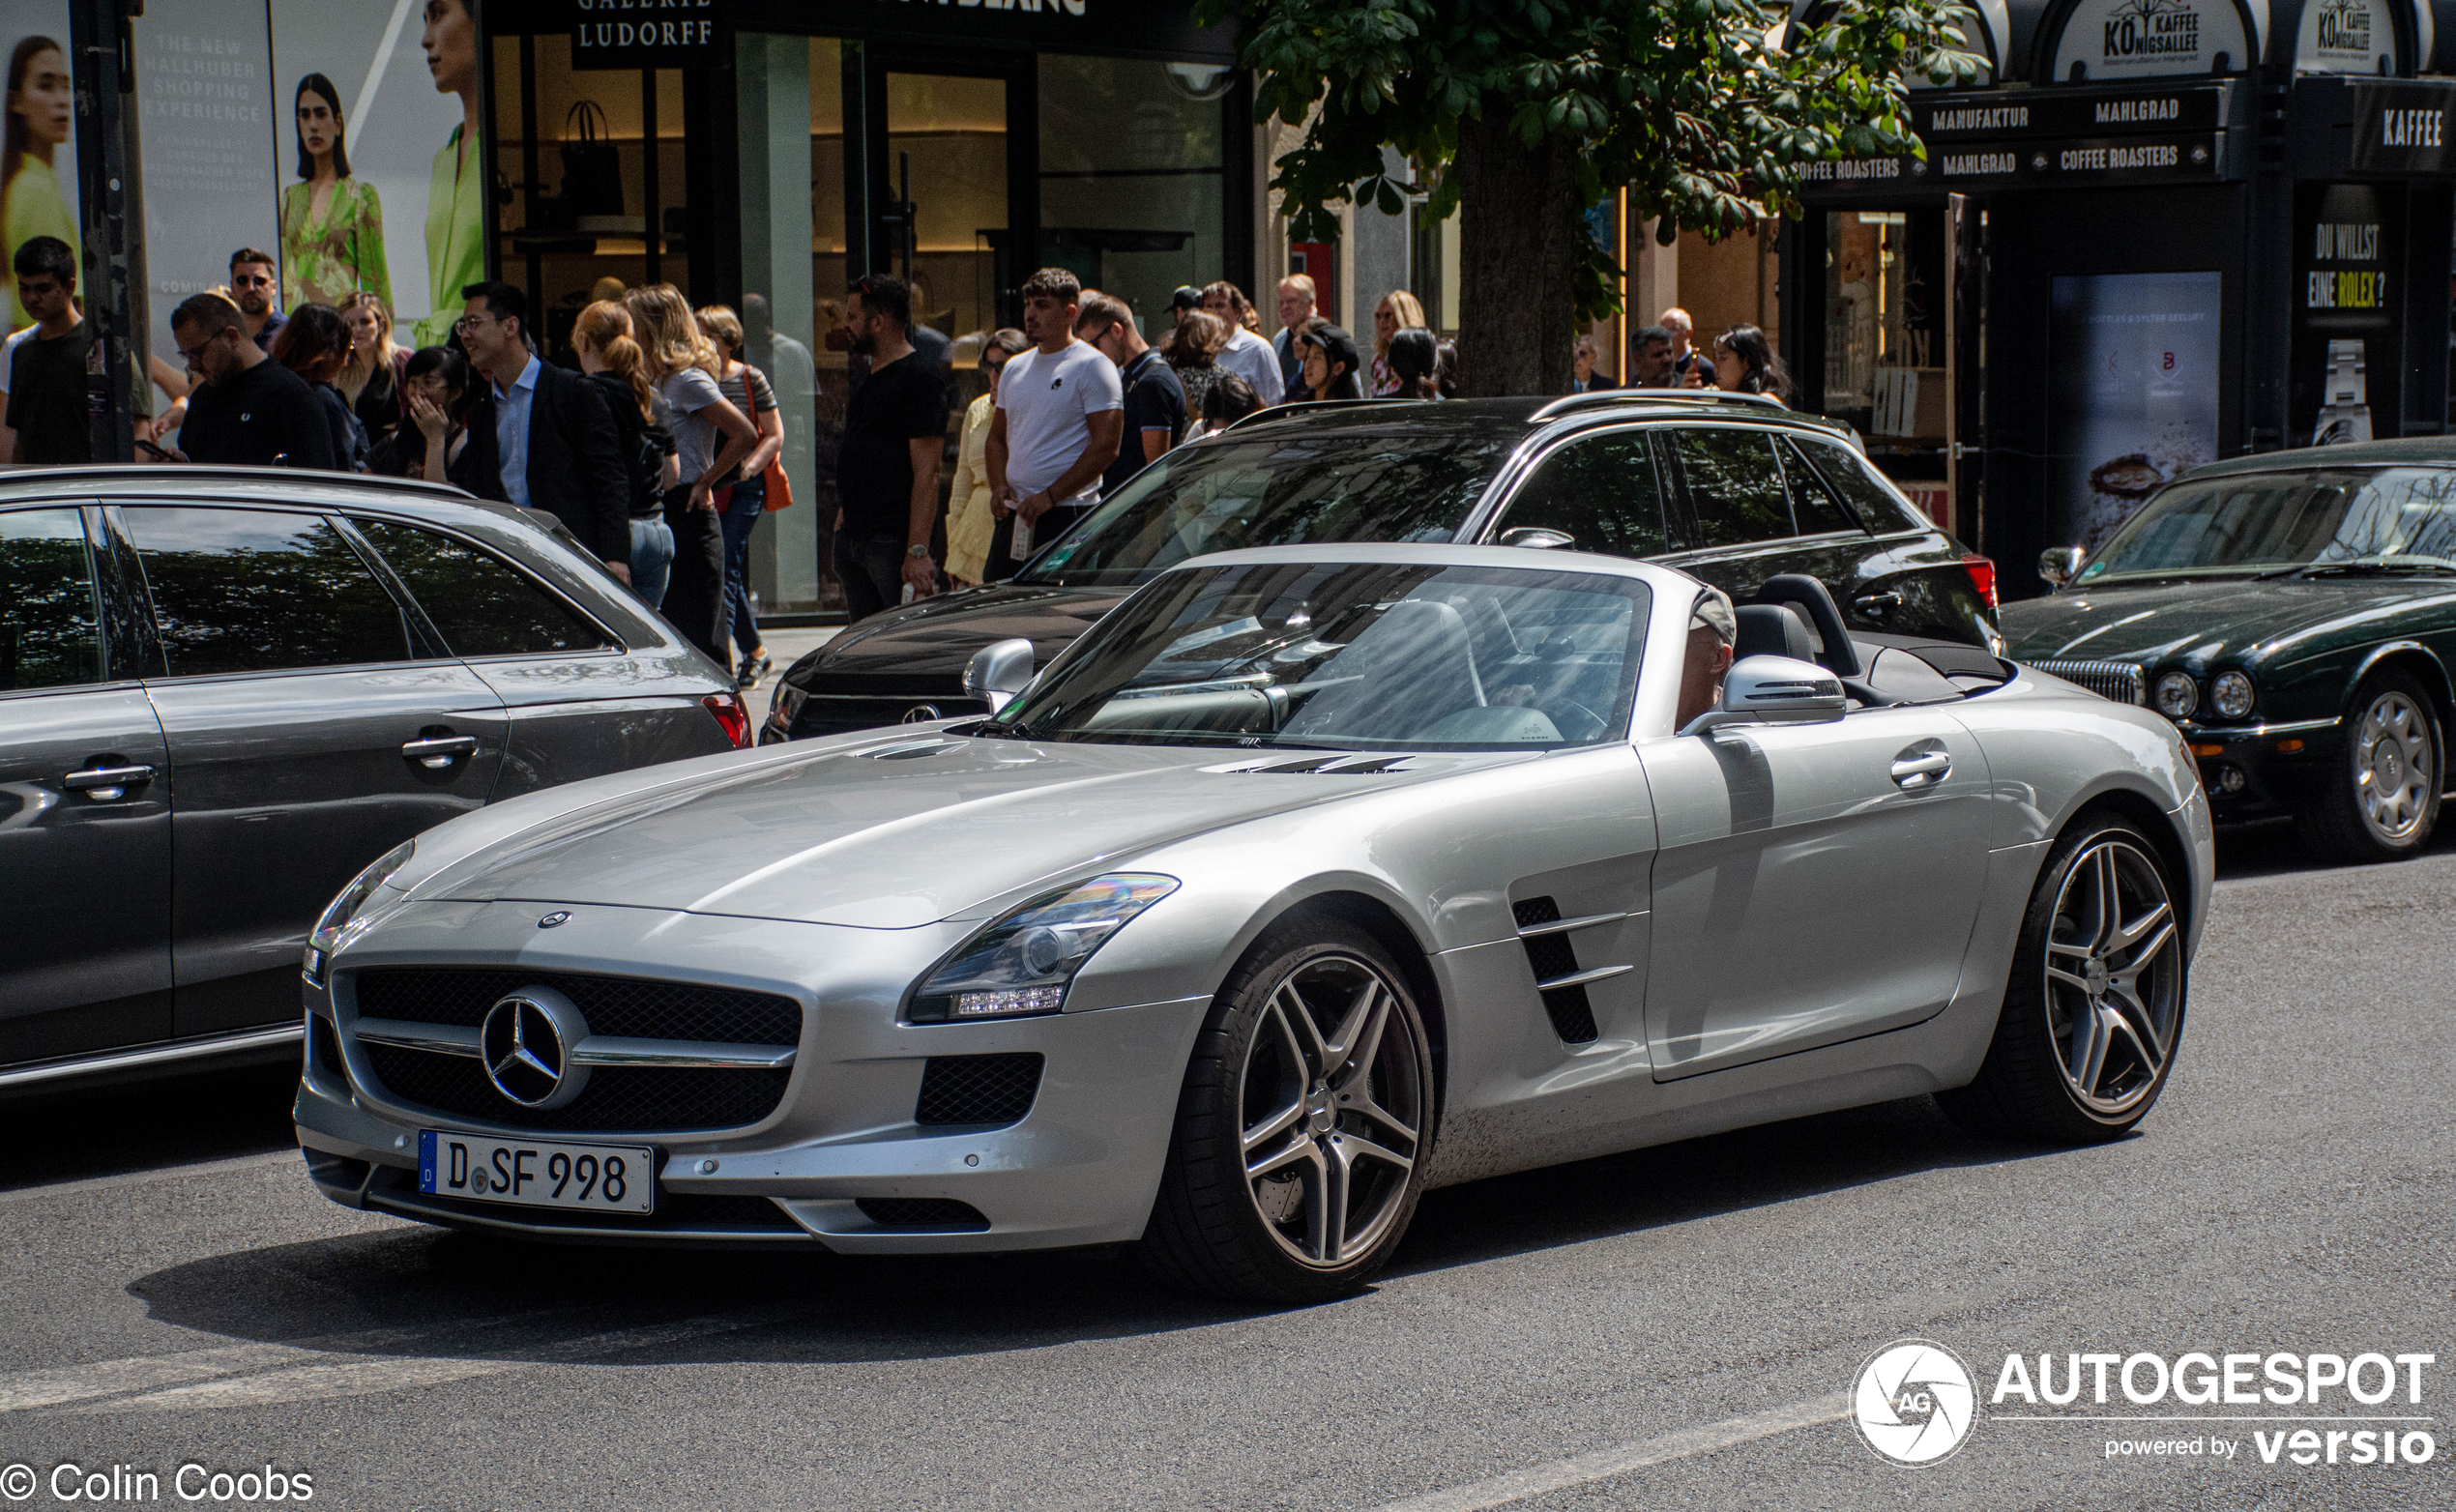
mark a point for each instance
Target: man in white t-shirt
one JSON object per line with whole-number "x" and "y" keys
{"x": 1060, "y": 414}
{"x": 1246, "y": 355}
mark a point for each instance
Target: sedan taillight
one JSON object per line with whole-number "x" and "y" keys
{"x": 1982, "y": 576}
{"x": 730, "y": 716}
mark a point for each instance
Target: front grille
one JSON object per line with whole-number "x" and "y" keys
{"x": 625, "y": 1007}
{"x": 617, "y": 1097}
{"x": 2124, "y": 681}
{"x": 978, "y": 1088}
{"x": 841, "y": 715}
{"x": 941, "y": 1213}
{"x": 1550, "y": 955}
{"x": 675, "y": 1210}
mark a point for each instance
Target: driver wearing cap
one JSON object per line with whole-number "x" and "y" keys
{"x": 1713, "y": 627}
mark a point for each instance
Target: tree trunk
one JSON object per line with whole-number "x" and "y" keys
{"x": 1516, "y": 328}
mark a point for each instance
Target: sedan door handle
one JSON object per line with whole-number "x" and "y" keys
{"x": 1877, "y": 603}
{"x": 107, "y": 782}
{"x": 1916, "y": 767}
{"x": 435, "y": 752}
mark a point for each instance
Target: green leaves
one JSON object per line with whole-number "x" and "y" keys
{"x": 1703, "y": 111}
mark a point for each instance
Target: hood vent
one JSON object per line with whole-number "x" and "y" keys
{"x": 1320, "y": 764}
{"x": 911, "y": 749}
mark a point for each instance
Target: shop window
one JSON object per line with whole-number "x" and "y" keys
{"x": 1885, "y": 354}
{"x": 1132, "y": 163}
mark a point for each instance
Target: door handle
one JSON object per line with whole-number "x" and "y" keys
{"x": 103, "y": 783}
{"x": 1921, "y": 767}
{"x": 1877, "y": 603}
{"x": 435, "y": 752}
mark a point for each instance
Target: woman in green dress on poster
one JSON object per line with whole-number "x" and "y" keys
{"x": 331, "y": 224}
{"x": 457, "y": 189}
{"x": 41, "y": 113}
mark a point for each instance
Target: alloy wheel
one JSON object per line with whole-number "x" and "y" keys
{"x": 2393, "y": 766}
{"x": 1331, "y": 1105}
{"x": 2113, "y": 976}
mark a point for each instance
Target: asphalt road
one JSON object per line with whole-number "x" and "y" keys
{"x": 1671, "y": 1329}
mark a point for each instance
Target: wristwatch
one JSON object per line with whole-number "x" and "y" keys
{"x": 920, "y": 553}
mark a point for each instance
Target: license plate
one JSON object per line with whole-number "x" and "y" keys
{"x": 534, "y": 1174}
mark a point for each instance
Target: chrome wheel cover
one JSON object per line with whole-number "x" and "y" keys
{"x": 2114, "y": 977}
{"x": 1331, "y": 1100}
{"x": 2393, "y": 766}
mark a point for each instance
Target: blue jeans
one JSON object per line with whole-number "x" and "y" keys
{"x": 652, "y": 559}
{"x": 747, "y": 501}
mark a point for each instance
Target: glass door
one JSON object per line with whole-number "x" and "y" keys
{"x": 943, "y": 213}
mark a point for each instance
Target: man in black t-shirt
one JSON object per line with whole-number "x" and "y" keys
{"x": 250, "y": 410}
{"x": 887, "y": 466}
{"x": 47, "y": 416}
{"x": 1154, "y": 401}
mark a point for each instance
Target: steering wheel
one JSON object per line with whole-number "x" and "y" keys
{"x": 1577, "y": 711}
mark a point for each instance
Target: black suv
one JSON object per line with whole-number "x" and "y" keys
{"x": 1731, "y": 488}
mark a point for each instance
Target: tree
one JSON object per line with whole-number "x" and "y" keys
{"x": 1526, "y": 113}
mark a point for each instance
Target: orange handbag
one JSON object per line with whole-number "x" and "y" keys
{"x": 779, "y": 487}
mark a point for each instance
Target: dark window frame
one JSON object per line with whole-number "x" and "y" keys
{"x": 615, "y": 644}
{"x": 1771, "y": 436}
{"x": 104, "y": 632}
{"x": 1671, "y": 500}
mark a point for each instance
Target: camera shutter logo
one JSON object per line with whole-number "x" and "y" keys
{"x": 1913, "y": 1403}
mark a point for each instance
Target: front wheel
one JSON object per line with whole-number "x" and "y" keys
{"x": 1301, "y": 1132}
{"x": 2096, "y": 1004}
{"x": 2382, "y": 802}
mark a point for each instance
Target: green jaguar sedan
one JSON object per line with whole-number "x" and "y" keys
{"x": 2295, "y": 613}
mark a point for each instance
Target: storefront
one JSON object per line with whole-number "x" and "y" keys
{"x": 2134, "y": 255}
{"x": 758, "y": 153}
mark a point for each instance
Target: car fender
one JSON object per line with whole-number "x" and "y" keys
{"x": 2438, "y": 681}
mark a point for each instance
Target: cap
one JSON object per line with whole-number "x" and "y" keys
{"x": 1186, "y": 297}
{"x": 1713, "y": 610}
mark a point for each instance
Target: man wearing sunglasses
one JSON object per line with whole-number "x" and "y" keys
{"x": 256, "y": 289}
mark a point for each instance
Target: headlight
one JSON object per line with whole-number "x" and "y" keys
{"x": 1024, "y": 962}
{"x": 2178, "y": 695}
{"x": 782, "y": 711}
{"x": 335, "y": 929}
{"x": 2231, "y": 694}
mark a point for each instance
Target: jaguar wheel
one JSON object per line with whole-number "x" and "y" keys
{"x": 2095, "y": 1004}
{"x": 2382, "y": 802}
{"x": 1301, "y": 1136}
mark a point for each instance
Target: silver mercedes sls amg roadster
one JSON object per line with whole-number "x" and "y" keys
{"x": 1310, "y": 878}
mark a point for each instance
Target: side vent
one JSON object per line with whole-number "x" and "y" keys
{"x": 1549, "y": 953}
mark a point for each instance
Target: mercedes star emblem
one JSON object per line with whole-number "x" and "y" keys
{"x": 920, "y": 713}
{"x": 554, "y": 920}
{"x": 526, "y": 1043}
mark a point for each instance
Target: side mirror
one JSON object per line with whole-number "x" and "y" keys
{"x": 2059, "y": 565}
{"x": 1774, "y": 690}
{"x": 998, "y": 671}
{"x": 1539, "y": 538}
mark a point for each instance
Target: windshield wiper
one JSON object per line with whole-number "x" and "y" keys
{"x": 2386, "y": 564}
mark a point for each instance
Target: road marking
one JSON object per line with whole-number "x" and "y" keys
{"x": 148, "y": 1372}
{"x": 1603, "y": 1463}
{"x": 328, "y": 1378}
{"x": 102, "y": 1184}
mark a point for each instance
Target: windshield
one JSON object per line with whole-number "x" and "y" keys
{"x": 1350, "y": 657}
{"x": 1294, "y": 492}
{"x": 2386, "y": 517}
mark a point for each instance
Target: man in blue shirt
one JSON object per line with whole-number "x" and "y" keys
{"x": 545, "y": 439}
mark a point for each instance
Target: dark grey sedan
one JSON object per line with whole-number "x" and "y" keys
{"x": 224, "y": 692}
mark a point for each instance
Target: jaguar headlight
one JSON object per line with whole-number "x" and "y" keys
{"x": 340, "y": 919}
{"x": 2230, "y": 695}
{"x": 782, "y": 709}
{"x": 1024, "y": 962}
{"x": 2176, "y": 695}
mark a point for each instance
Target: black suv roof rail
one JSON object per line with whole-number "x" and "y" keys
{"x": 201, "y": 471}
{"x": 1708, "y": 397}
{"x": 1310, "y": 407}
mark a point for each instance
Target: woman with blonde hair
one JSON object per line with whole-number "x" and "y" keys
{"x": 685, "y": 366}
{"x": 742, "y": 497}
{"x": 372, "y": 379}
{"x": 1399, "y": 310}
{"x": 970, "y": 526}
{"x": 643, "y": 435}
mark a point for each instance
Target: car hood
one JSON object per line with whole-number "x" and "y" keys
{"x": 928, "y": 643}
{"x": 895, "y": 830}
{"x": 2200, "y": 619}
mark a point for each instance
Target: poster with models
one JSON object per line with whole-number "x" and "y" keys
{"x": 341, "y": 140}
{"x": 37, "y": 152}
{"x": 2135, "y": 358}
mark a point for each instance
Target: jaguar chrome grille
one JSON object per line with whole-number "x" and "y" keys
{"x": 2121, "y": 681}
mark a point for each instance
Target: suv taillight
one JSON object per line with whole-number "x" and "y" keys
{"x": 730, "y": 716}
{"x": 1982, "y": 576}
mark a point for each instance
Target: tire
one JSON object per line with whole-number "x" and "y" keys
{"x": 2121, "y": 975}
{"x": 1344, "y": 1164}
{"x": 2382, "y": 802}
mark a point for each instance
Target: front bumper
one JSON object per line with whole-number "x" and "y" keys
{"x": 1080, "y": 1166}
{"x": 2251, "y": 771}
